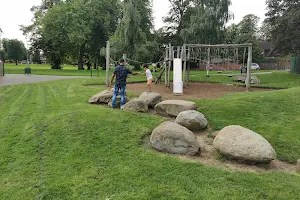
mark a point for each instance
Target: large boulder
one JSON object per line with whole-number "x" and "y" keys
{"x": 136, "y": 105}
{"x": 102, "y": 97}
{"x": 173, "y": 138}
{"x": 118, "y": 103}
{"x": 192, "y": 120}
{"x": 174, "y": 107}
{"x": 243, "y": 144}
{"x": 151, "y": 98}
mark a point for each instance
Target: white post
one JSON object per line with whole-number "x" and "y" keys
{"x": 248, "y": 78}
{"x": 177, "y": 77}
{"x": 208, "y": 62}
{"x": 107, "y": 62}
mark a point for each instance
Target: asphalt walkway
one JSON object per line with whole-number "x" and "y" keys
{"x": 15, "y": 79}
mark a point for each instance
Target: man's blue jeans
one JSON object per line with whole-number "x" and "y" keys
{"x": 116, "y": 92}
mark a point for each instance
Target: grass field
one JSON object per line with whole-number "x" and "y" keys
{"x": 53, "y": 145}
{"x": 278, "y": 79}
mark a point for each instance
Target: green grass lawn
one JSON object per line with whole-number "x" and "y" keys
{"x": 53, "y": 145}
{"x": 45, "y": 69}
{"x": 278, "y": 79}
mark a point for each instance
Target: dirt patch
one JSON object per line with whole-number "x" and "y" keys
{"x": 194, "y": 91}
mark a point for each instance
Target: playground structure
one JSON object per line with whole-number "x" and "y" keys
{"x": 222, "y": 57}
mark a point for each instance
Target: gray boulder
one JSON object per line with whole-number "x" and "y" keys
{"x": 255, "y": 80}
{"x": 151, "y": 98}
{"x": 240, "y": 78}
{"x": 174, "y": 107}
{"x": 192, "y": 120}
{"x": 136, "y": 105}
{"x": 118, "y": 103}
{"x": 243, "y": 144}
{"x": 173, "y": 138}
{"x": 102, "y": 97}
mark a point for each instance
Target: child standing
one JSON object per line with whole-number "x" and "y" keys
{"x": 149, "y": 76}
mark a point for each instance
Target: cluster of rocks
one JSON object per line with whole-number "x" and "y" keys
{"x": 178, "y": 136}
{"x": 142, "y": 104}
{"x": 242, "y": 78}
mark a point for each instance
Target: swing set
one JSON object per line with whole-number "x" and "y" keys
{"x": 222, "y": 57}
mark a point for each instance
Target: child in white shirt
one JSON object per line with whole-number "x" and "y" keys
{"x": 149, "y": 76}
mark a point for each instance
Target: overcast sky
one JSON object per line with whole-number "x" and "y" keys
{"x": 16, "y": 12}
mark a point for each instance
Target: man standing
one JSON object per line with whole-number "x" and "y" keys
{"x": 121, "y": 74}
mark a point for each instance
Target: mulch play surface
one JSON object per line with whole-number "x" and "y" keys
{"x": 194, "y": 91}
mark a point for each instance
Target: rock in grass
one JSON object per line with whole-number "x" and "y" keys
{"x": 173, "y": 138}
{"x": 243, "y": 144}
{"x": 118, "y": 102}
{"x": 136, "y": 105}
{"x": 174, "y": 107}
{"x": 192, "y": 120}
{"x": 298, "y": 167}
{"x": 255, "y": 80}
{"x": 151, "y": 98}
{"x": 102, "y": 97}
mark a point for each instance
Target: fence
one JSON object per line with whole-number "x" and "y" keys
{"x": 295, "y": 65}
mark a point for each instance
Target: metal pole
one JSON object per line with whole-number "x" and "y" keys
{"x": 170, "y": 63}
{"x": 189, "y": 66}
{"x": 107, "y": 62}
{"x": 178, "y": 52}
{"x": 184, "y": 64}
{"x": 167, "y": 59}
{"x": 248, "y": 78}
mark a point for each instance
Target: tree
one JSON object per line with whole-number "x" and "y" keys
{"x": 177, "y": 19}
{"x": 207, "y": 22}
{"x": 283, "y": 16}
{"x": 265, "y": 32}
{"x": 246, "y": 31}
{"x": 36, "y": 57}
{"x": 15, "y": 50}
{"x": 134, "y": 28}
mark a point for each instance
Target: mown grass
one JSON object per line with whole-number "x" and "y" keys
{"x": 53, "y": 145}
{"x": 45, "y": 69}
{"x": 278, "y": 79}
{"x": 275, "y": 115}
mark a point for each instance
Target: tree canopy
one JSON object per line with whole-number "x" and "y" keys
{"x": 283, "y": 17}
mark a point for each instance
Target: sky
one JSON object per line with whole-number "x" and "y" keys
{"x": 9, "y": 22}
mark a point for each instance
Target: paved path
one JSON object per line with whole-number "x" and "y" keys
{"x": 15, "y": 79}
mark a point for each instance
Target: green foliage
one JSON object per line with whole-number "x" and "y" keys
{"x": 283, "y": 17}
{"x": 246, "y": 31}
{"x": 207, "y": 23}
{"x": 134, "y": 29}
{"x": 14, "y": 50}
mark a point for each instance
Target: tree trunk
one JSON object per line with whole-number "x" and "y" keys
{"x": 56, "y": 64}
{"x": 89, "y": 65}
{"x": 80, "y": 59}
{"x": 95, "y": 66}
{"x": 16, "y": 62}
